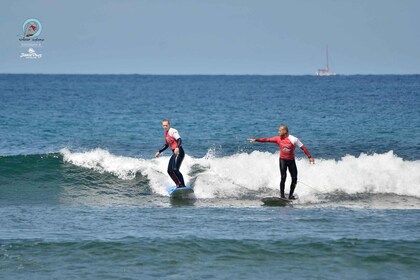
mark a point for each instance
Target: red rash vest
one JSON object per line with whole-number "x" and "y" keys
{"x": 287, "y": 146}
{"x": 170, "y": 138}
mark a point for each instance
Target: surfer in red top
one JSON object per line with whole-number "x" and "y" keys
{"x": 287, "y": 144}
{"x": 173, "y": 140}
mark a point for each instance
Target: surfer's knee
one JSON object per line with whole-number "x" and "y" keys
{"x": 172, "y": 170}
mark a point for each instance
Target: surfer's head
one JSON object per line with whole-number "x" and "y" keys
{"x": 283, "y": 130}
{"x": 166, "y": 124}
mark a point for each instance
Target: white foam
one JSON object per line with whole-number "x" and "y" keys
{"x": 257, "y": 172}
{"x": 125, "y": 168}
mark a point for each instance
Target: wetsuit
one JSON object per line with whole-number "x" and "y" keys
{"x": 173, "y": 140}
{"x": 287, "y": 147}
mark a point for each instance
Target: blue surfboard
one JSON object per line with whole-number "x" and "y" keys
{"x": 184, "y": 192}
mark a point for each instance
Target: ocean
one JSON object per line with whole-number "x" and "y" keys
{"x": 82, "y": 196}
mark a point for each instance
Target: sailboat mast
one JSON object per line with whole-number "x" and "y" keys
{"x": 328, "y": 64}
{"x": 326, "y": 71}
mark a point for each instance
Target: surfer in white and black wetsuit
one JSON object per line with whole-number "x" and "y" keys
{"x": 173, "y": 140}
{"x": 287, "y": 144}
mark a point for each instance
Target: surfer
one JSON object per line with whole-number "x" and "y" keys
{"x": 173, "y": 140}
{"x": 287, "y": 144}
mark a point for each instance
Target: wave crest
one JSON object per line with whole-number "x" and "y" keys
{"x": 257, "y": 174}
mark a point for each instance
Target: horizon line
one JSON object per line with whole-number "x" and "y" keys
{"x": 210, "y": 74}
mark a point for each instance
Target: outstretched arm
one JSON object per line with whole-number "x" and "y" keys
{"x": 305, "y": 150}
{"x": 271, "y": 140}
{"x": 297, "y": 142}
{"x": 164, "y": 147}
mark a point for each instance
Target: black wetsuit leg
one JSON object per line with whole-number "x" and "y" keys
{"x": 291, "y": 165}
{"x": 174, "y": 166}
{"x": 283, "y": 174}
{"x": 293, "y": 172}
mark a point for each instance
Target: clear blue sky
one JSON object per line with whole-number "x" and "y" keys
{"x": 214, "y": 37}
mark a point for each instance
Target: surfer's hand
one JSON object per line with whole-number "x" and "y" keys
{"x": 157, "y": 154}
{"x": 251, "y": 140}
{"x": 176, "y": 151}
{"x": 312, "y": 160}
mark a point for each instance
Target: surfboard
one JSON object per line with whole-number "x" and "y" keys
{"x": 184, "y": 192}
{"x": 276, "y": 201}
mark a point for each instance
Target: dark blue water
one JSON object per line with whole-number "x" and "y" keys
{"x": 333, "y": 116}
{"x": 82, "y": 196}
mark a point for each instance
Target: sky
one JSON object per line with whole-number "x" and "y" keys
{"x": 266, "y": 37}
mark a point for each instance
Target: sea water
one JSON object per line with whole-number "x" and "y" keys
{"x": 82, "y": 196}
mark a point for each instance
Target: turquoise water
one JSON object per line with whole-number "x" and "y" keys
{"x": 81, "y": 195}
